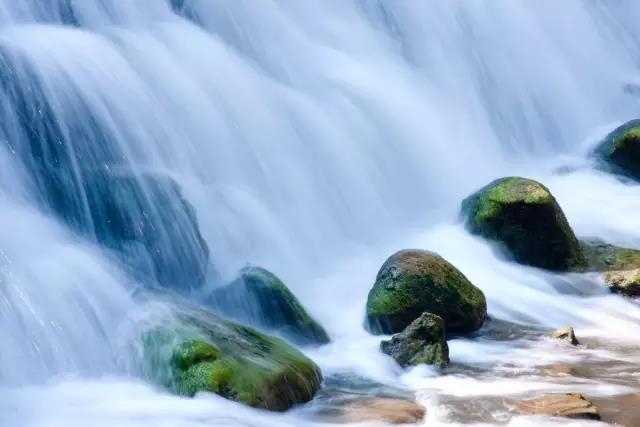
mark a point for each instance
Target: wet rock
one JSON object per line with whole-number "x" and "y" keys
{"x": 620, "y": 410}
{"x": 77, "y": 162}
{"x": 566, "y": 334}
{"x": 196, "y": 351}
{"x": 259, "y": 298}
{"x": 422, "y": 342}
{"x": 523, "y": 215}
{"x": 412, "y": 282}
{"x": 146, "y": 219}
{"x": 603, "y": 256}
{"x": 383, "y": 409}
{"x": 626, "y": 282}
{"x": 620, "y": 150}
{"x": 572, "y": 405}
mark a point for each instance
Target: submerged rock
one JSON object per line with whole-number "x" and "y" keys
{"x": 76, "y": 159}
{"x": 619, "y": 410}
{"x": 259, "y": 298}
{"x": 572, "y": 405}
{"x": 146, "y": 218}
{"x": 524, "y": 216}
{"x": 626, "y": 282}
{"x": 383, "y": 409}
{"x": 566, "y": 334}
{"x": 412, "y": 282}
{"x": 197, "y": 351}
{"x": 620, "y": 150}
{"x": 422, "y": 342}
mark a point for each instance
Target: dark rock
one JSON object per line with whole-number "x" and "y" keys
{"x": 259, "y": 298}
{"x": 620, "y": 150}
{"x": 422, "y": 342}
{"x": 412, "y": 282}
{"x": 75, "y": 159}
{"x": 146, "y": 217}
{"x": 523, "y": 215}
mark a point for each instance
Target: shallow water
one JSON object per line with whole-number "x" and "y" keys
{"x": 313, "y": 138}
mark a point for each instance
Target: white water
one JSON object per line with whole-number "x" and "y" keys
{"x": 314, "y": 138}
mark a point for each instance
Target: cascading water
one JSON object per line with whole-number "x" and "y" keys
{"x": 313, "y": 138}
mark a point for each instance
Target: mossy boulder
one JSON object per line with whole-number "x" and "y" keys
{"x": 621, "y": 266}
{"x": 422, "y": 342}
{"x": 523, "y": 215}
{"x": 259, "y": 298}
{"x": 603, "y": 256}
{"x": 620, "y": 150}
{"x": 412, "y": 282}
{"x": 197, "y": 351}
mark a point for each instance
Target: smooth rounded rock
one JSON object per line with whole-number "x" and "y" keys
{"x": 196, "y": 351}
{"x": 259, "y": 298}
{"x": 526, "y": 219}
{"x": 414, "y": 281}
{"x": 620, "y": 150}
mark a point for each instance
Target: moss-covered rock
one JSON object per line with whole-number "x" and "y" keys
{"x": 197, "y": 351}
{"x": 603, "y": 256}
{"x": 626, "y": 282}
{"x": 412, "y": 282}
{"x": 259, "y": 298}
{"x": 524, "y": 216}
{"x": 621, "y": 266}
{"x": 422, "y": 342}
{"x": 620, "y": 150}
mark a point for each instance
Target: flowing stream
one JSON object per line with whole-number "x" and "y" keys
{"x": 314, "y": 138}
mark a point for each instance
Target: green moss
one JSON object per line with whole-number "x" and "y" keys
{"x": 605, "y": 257}
{"x": 631, "y": 136}
{"x": 192, "y": 352}
{"x": 508, "y": 191}
{"x": 269, "y": 304}
{"x": 411, "y": 282}
{"x": 207, "y": 353}
{"x": 422, "y": 342}
{"x": 524, "y": 216}
{"x": 620, "y": 150}
{"x": 431, "y": 355}
{"x": 230, "y": 378}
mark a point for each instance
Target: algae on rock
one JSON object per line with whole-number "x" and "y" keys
{"x": 523, "y": 215}
{"x": 424, "y": 341}
{"x": 259, "y": 298}
{"x": 412, "y": 282}
{"x": 620, "y": 150}
{"x": 197, "y": 351}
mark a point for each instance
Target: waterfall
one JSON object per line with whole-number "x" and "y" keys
{"x": 313, "y": 138}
